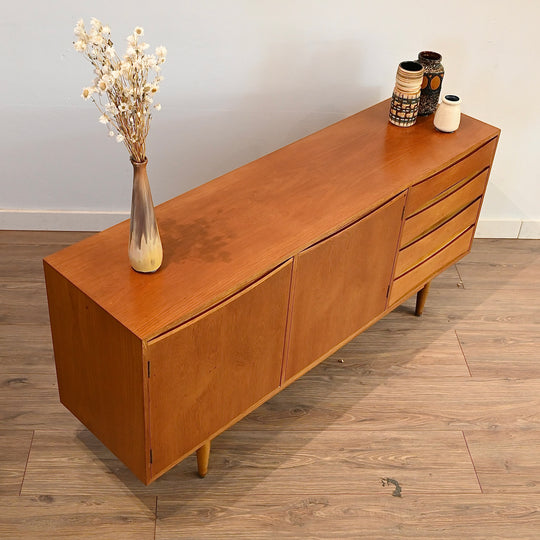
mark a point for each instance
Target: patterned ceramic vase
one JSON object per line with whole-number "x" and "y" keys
{"x": 432, "y": 82}
{"x": 448, "y": 115}
{"x": 406, "y": 95}
{"x": 145, "y": 251}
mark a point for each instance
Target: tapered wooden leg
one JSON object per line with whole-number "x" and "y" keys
{"x": 203, "y": 455}
{"x": 421, "y": 297}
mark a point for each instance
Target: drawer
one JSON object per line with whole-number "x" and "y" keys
{"x": 428, "y": 191}
{"x": 424, "y": 272}
{"x": 424, "y": 248}
{"x": 436, "y": 214}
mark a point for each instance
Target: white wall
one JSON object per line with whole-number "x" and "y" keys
{"x": 243, "y": 78}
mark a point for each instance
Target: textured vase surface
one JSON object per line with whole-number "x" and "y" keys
{"x": 145, "y": 250}
{"x": 406, "y": 95}
{"x": 432, "y": 81}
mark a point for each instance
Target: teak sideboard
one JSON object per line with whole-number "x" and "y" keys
{"x": 267, "y": 271}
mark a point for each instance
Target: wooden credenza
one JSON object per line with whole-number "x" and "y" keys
{"x": 267, "y": 271}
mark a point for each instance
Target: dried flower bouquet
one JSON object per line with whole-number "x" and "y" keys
{"x": 124, "y": 88}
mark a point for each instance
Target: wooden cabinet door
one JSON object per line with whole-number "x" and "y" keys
{"x": 340, "y": 285}
{"x": 210, "y": 371}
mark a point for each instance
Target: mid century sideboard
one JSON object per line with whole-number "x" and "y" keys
{"x": 267, "y": 271}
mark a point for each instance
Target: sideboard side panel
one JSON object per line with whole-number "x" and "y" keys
{"x": 341, "y": 284}
{"x": 99, "y": 370}
{"x": 207, "y": 373}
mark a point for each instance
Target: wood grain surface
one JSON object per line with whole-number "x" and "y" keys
{"x": 262, "y": 214}
{"x": 374, "y": 516}
{"x": 424, "y": 248}
{"x": 441, "y": 185}
{"x": 409, "y": 282}
{"x": 223, "y": 374}
{"x": 446, "y": 404}
{"x": 434, "y": 216}
{"x": 14, "y": 450}
{"x": 340, "y": 285}
{"x": 67, "y": 516}
{"x": 100, "y": 371}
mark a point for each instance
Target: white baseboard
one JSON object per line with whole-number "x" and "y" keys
{"x": 498, "y": 228}
{"x": 58, "y": 220}
{"x": 530, "y": 229}
{"x": 74, "y": 220}
{"x": 507, "y": 228}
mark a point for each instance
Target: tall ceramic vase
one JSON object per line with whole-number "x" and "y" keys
{"x": 145, "y": 250}
{"x": 431, "y": 84}
{"x": 406, "y": 95}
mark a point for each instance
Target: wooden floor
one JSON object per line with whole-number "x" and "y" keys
{"x": 443, "y": 410}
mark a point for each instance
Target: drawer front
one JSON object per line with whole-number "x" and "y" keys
{"x": 424, "y": 272}
{"x": 427, "y": 192}
{"x": 415, "y": 253}
{"x": 211, "y": 370}
{"x": 436, "y": 214}
{"x": 340, "y": 285}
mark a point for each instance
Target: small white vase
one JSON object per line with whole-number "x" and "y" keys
{"x": 448, "y": 114}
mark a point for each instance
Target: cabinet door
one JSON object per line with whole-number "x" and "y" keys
{"x": 208, "y": 372}
{"x": 341, "y": 284}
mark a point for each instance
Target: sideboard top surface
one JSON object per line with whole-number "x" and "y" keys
{"x": 221, "y": 236}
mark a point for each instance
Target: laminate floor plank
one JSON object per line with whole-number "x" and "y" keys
{"x": 515, "y": 265}
{"x": 264, "y": 462}
{"x": 37, "y": 238}
{"x": 30, "y": 401}
{"x": 329, "y": 401}
{"x": 23, "y": 303}
{"x": 515, "y": 353}
{"x": 463, "y": 309}
{"x": 26, "y": 348}
{"x": 507, "y": 461}
{"x": 411, "y": 352}
{"x": 76, "y": 517}
{"x": 25, "y": 261}
{"x": 14, "y": 448}
{"x": 376, "y": 516}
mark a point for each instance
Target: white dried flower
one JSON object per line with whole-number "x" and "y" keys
{"x": 87, "y": 92}
{"x": 79, "y": 28}
{"x": 157, "y": 107}
{"x": 95, "y": 23}
{"x": 80, "y": 45}
{"x": 124, "y": 86}
{"x": 161, "y": 51}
